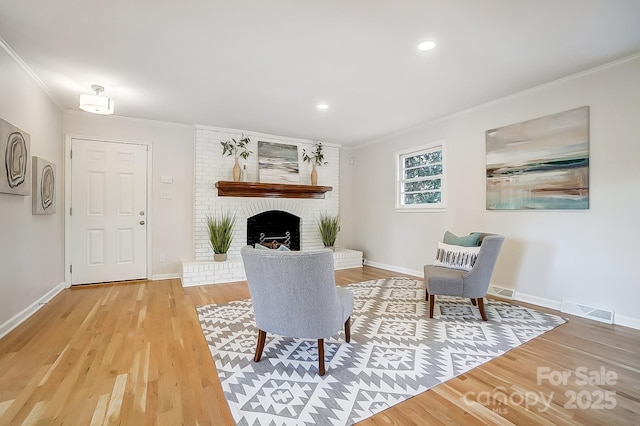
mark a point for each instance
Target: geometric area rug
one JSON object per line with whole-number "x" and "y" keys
{"x": 396, "y": 352}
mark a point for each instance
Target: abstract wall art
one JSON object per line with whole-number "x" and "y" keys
{"x": 44, "y": 187}
{"x": 15, "y": 161}
{"x": 540, "y": 164}
{"x": 278, "y": 163}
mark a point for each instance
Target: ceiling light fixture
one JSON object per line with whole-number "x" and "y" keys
{"x": 323, "y": 106}
{"x": 426, "y": 45}
{"x": 96, "y": 104}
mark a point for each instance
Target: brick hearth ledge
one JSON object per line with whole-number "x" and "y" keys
{"x": 202, "y": 272}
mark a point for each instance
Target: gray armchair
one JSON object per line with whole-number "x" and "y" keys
{"x": 472, "y": 284}
{"x": 294, "y": 294}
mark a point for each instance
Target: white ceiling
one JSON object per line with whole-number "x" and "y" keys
{"x": 264, "y": 65}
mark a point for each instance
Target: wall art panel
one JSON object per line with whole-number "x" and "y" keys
{"x": 15, "y": 161}
{"x": 278, "y": 162}
{"x": 44, "y": 186}
{"x": 540, "y": 164}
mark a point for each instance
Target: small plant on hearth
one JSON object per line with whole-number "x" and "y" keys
{"x": 221, "y": 233}
{"x": 237, "y": 148}
{"x": 328, "y": 226}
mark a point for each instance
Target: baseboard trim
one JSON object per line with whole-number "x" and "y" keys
{"x": 159, "y": 277}
{"x": 21, "y": 317}
{"x": 395, "y": 268}
{"x": 627, "y": 321}
{"x": 539, "y": 301}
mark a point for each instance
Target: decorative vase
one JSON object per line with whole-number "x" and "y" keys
{"x": 219, "y": 257}
{"x": 236, "y": 171}
{"x": 314, "y": 176}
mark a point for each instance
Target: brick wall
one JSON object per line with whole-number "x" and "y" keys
{"x": 211, "y": 166}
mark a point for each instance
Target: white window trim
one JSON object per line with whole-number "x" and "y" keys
{"x": 410, "y": 208}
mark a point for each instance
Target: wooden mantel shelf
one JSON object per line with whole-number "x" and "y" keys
{"x": 270, "y": 190}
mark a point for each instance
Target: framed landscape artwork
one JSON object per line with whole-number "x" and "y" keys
{"x": 540, "y": 164}
{"x": 15, "y": 160}
{"x": 278, "y": 162}
{"x": 44, "y": 185}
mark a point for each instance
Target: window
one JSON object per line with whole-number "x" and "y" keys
{"x": 421, "y": 178}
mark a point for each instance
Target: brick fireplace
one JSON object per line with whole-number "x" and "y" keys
{"x": 211, "y": 167}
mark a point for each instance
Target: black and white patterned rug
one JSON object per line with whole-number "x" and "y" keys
{"x": 396, "y": 352}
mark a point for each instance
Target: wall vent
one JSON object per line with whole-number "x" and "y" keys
{"x": 585, "y": 311}
{"x": 506, "y": 293}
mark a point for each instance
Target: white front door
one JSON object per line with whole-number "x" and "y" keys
{"x": 108, "y": 211}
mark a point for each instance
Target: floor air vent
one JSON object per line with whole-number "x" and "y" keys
{"x": 507, "y": 293}
{"x": 585, "y": 311}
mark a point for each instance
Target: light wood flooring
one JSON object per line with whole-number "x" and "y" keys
{"x": 133, "y": 354}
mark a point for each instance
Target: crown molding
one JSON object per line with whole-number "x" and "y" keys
{"x": 12, "y": 53}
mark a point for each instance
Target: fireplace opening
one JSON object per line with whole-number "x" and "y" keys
{"x": 273, "y": 228}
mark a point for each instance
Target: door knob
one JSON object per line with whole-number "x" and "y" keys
{"x": 142, "y": 222}
{"x": 141, "y": 213}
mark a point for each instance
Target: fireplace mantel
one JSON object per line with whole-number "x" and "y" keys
{"x": 270, "y": 190}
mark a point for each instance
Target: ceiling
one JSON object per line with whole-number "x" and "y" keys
{"x": 263, "y": 66}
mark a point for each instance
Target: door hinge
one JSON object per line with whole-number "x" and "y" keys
{"x": 70, "y": 211}
{"x": 71, "y": 269}
{"x": 71, "y": 154}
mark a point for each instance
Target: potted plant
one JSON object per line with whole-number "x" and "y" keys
{"x": 329, "y": 226}
{"x": 237, "y": 148}
{"x": 221, "y": 234}
{"x": 316, "y": 158}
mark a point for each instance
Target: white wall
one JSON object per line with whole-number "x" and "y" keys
{"x": 171, "y": 220}
{"x": 347, "y": 193}
{"x": 31, "y": 247}
{"x": 585, "y": 256}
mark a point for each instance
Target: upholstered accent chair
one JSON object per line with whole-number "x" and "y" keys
{"x": 294, "y": 295}
{"x": 473, "y": 283}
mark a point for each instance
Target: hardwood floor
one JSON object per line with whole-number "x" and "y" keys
{"x": 134, "y": 354}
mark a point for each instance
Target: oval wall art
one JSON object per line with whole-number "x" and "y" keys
{"x": 14, "y": 159}
{"x": 44, "y": 186}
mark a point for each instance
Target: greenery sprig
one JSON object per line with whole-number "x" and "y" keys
{"x": 316, "y": 157}
{"x": 237, "y": 148}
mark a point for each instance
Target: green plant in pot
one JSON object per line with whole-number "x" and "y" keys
{"x": 316, "y": 158}
{"x": 329, "y": 226}
{"x": 221, "y": 234}
{"x": 237, "y": 148}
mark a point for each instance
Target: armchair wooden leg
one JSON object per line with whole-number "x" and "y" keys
{"x": 427, "y": 298}
{"x": 432, "y": 302}
{"x": 321, "y": 357}
{"x": 473, "y": 301}
{"x": 262, "y": 337}
{"x": 347, "y": 330}
{"x": 481, "y": 308}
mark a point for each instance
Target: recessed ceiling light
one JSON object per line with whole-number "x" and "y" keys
{"x": 323, "y": 106}
{"x": 426, "y": 45}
